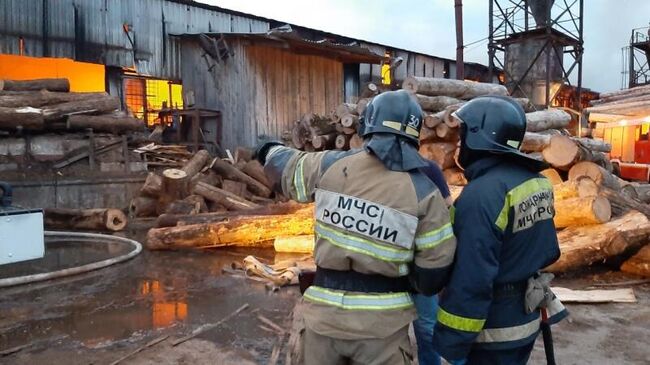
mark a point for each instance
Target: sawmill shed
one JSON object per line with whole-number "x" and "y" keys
{"x": 151, "y": 54}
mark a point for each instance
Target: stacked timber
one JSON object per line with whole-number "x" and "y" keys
{"x": 204, "y": 185}
{"x": 628, "y": 103}
{"x": 47, "y": 105}
{"x": 439, "y": 99}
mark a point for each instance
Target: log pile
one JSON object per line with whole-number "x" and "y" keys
{"x": 202, "y": 184}
{"x": 634, "y": 102}
{"x": 47, "y": 105}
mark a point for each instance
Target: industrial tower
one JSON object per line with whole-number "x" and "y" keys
{"x": 538, "y": 44}
{"x": 636, "y": 58}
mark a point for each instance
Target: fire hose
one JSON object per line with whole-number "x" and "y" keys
{"x": 75, "y": 237}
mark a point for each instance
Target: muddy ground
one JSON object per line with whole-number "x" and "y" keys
{"x": 99, "y": 317}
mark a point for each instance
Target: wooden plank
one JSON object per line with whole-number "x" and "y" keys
{"x": 261, "y": 112}
{"x": 294, "y": 87}
{"x": 306, "y": 85}
{"x": 318, "y": 82}
{"x": 269, "y": 68}
{"x": 624, "y": 295}
{"x": 279, "y": 92}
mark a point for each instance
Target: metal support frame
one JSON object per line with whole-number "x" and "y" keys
{"x": 637, "y": 67}
{"x": 512, "y": 21}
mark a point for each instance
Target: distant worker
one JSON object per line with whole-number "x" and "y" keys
{"x": 496, "y": 300}
{"x": 382, "y": 232}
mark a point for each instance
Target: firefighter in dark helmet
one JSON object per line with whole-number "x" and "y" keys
{"x": 382, "y": 231}
{"x": 496, "y": 300}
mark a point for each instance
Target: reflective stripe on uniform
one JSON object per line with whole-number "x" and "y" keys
{"x": 507, "y": 334}
{"x": 299, "y": 181}
{"x": 435, "y": 237}
{"x": 362, "y": 246}
{"x": 460, "y": 323}
{"x": 349, "y": 301}
{"x": 518, "y": 194}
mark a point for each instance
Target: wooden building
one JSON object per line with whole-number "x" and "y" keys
{"x": 150, "y": 54}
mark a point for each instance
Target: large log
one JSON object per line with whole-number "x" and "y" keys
{"x": 454, "y": 176}
{"x": 435, "y": 103}
{"x": 85, "y": 219}
{"x": 627, "y": 108}
{"x": 195, "y": 164}
{"x": 563, "y": 152}
{"x": 175, "y": 186}
{"x": 624, "y": 92}
{"x": 143, "y": 206}
{"x": 640, "y": 192}
{"x": 343, "y": 109}
{"x": 294, "y": 244}
{"x": 104, "y": 104}
{"x": 361, "y": 105}
{"x": 441, "y": 153}
{"x": 245, "y": 231}
{"x": 237, "y": 188}
{"x": 356, "y": 142}
{"x": 584, "y": 245}
{"x": 552, "y": 175}
{"x": 152, "y": 186}
{"x": 225, "y": 198}
{"x": 342, "y": 141}
{"x": 105, "y": 123}
{"x": 581, "y": 188}
{"x": 581, "y": 211}
{"x": 595, "y": 144}
{"x": 427, "y": 134}
{"x": 621, "y": 203}
{"x": 454, "y": 88}
{"x": 170, "y": 220}
{"x": 350, "y": 121}
{"x": 25, "y": 118}
{"x": 42, "y": 98}
{"x": 547, "y": 119}
{"x": 255, "y": 170}
{"x": 35, "y": 85}
{"x": 535, "y": 142}
{"x": 445, "y": 133}
{"x": 638, "y": 264}
{"x": 231, "y": 172}
{"x": 323, "y": 141}
{"x": 431, "y": 120}
{"x": 597, "y": 173}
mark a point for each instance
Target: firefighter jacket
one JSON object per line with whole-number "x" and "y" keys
{"x": 503, "y": 221}
{"x": 379, "y": 235}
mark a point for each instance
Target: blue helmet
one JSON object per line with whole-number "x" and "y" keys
{"x": 492, "y": 124}
{"x": 394, "y": 112}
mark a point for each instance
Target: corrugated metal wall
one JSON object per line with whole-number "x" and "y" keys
{"x": 414, "y": 64}
{"x": 92, "y": 30}
{"x": 261, "y": 90}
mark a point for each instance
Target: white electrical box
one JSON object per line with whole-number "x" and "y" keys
{"x": 21, "y": 235}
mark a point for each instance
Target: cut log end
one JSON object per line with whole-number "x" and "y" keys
{"x": 116, "y": 220}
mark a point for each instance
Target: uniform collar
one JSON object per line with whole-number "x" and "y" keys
{"x": 395, "y": 152}
{"x": 480, "y": 167}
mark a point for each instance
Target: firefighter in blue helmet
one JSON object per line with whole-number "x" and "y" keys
{"x": 496, "y": 302}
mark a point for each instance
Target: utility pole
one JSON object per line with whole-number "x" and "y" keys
{"x": 460, "y": 64}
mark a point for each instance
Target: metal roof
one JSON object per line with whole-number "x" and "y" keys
{"x": 285, "y": 37}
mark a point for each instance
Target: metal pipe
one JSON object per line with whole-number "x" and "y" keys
{"x": 460, "y": 63}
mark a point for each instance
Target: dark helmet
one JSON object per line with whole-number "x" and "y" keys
{"x": 495, "y": 125}
{"x": 393, "y": 112}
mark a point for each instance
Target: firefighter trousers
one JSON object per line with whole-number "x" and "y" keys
{"x": 322, "y": 350}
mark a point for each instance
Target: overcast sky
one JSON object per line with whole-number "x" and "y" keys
{"x": 427, "y": 26}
